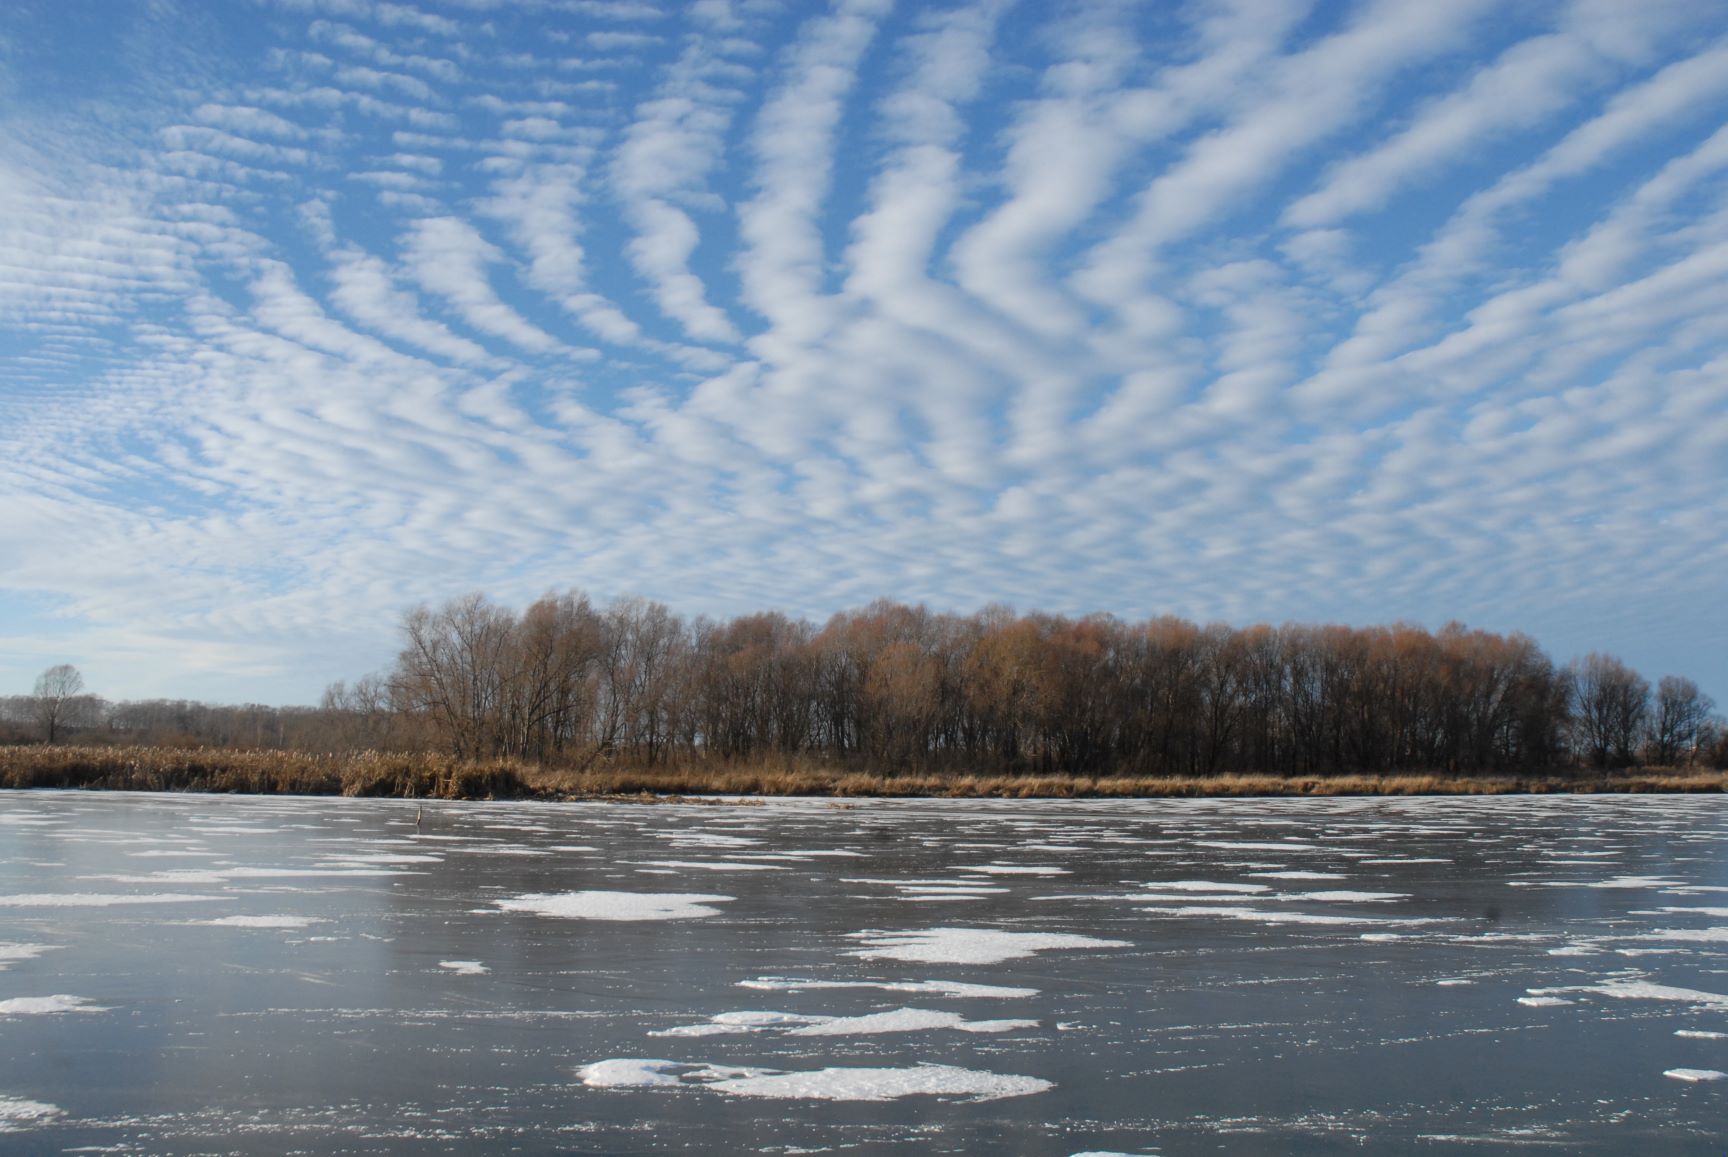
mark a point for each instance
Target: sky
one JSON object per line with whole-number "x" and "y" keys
{"x": 1239, "y": 310}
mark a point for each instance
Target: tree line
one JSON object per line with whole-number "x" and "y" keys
{"x": 891, "y": 687}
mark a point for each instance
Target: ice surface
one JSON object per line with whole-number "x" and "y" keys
{"x": 968, "y": 945}
{"x": 1545, "y": 1001}
{"x": 832, "y": 1084}
{"x": 1700, "y": 1034}
{"x": 260, "y": 922}
{"x": 47, "y": 1005}
{"x": 1298, "y": 875}
{"x": 953, "y": 988}
{"x": 1341, "y": 897}
{"x": 1695, "y": 1074}
{"x": 1206, "y": 886}
{"x": 616, "y": 905}
{"x": 17, "y": 1114}
{"x": 97, "y": 899}
{"x": 9, "y": 953}
{"x": 465, "y": 967}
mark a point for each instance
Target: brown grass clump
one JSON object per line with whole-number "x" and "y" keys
{"x": 367, "y": 773}
{"x": 423, "y": 775}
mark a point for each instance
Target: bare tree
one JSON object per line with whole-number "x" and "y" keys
{"x": 1682, "y": 711}
{"x": 1611, "y": 704}
{"x": 57, "y": 697}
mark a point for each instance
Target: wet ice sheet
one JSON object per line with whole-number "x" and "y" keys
{"x": 1160, "y": 976}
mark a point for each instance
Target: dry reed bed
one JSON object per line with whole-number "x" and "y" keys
{"x": 430, "y": 776}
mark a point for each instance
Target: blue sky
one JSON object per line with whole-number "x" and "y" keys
{"x": 1242, "y": 310}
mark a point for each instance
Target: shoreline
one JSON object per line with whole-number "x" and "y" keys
{"x": 426, "y": 776}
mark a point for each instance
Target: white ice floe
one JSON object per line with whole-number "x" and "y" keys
{"x": 1695, "y": 1074}
{"x": 1206, "y": 886}
{"x": 1299, "y": 875}
{"x": 260, "y": 922}
{"x": 17, "y": 1114}
{"x": 97, "y": 899}
{"x": 1270, "y": 916}
{"x": 1695, "y": 935}
{"x": 1407, "y": 860}
{"x": 1346, "y": 897}
{"x": 832, "y": 1084}
{"x": 1616, "y": 882}
{"x": 383, "y": 858}
{"x": 227, "y": 875}
{"x": 1700, "y": 1034}
{"x": 955, "y": 988}
{"x": 1642, "y": 990}
{"x": 465, "y": 967}
{"x": 1545, "y": 1001}
{"x": 12, "y": 953}
{"x": 1251, "y": 846}
{"x": 1013, "y": 869}
{"x": 968, "y": 945}
{"x": 616, "y": 905}
{"x": 959, "y": 891}
{"x": 709, "y": 865}
{"x": 48, "y": 1005}
{"x": 899, "y": 1020}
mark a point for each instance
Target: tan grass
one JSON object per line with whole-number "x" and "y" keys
{"x": 430, "y": 776}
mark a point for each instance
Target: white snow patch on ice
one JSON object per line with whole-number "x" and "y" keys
{"x": 1700, "y": 1034}
{"x": 616, "y": 905}
{"x": 954, "y": 988}
{"x": 1344, "y": 897}
{"x": 16, "y": 1113}
{"x": 1696, "y": 1074}
{"x": 1545, "y": 1001}
{"x": 865, "y": 1084}
{"x": 47, "y": 1005}
{"x": 1206, "y": 886}
{"x": 906, "y": 1020}
{"x": 10, "y": 953}
{"x": 710, "y": 865}
{"x": 260, "y": 922}
{"x": 899, "y": 1020}
{"x": 630, "y": 1073}
{"x": 1013, "y": 869}
{"x": 1645, "y": 990}
{"x": 832, "y": 1084}
{"x": 1297, "y": 875}
{"x": 1267, "y": 916}
{"x": 968, "y": 945}
{"x": 465, "y": 967}
{"x": 1250, "y": 846}
{"x": 96, "y": 899}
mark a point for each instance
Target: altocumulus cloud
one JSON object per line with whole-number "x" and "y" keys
{"x": 1239, "y": 309}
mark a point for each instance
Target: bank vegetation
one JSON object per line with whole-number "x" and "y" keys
{"x": 566, "y": 697}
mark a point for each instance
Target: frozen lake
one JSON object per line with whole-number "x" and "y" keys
{"x": 204, "y": 974}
